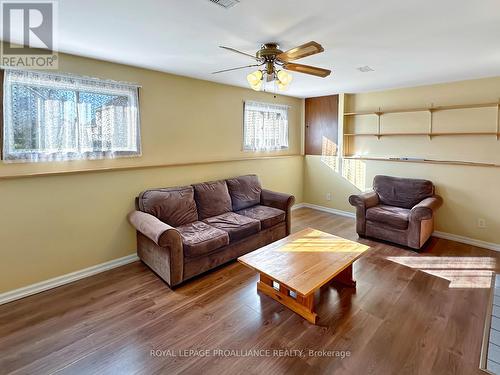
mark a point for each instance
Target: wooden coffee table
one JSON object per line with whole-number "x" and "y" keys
{"x": 302, "y": 263}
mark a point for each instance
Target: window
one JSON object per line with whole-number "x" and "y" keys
{"x": 265, "y": 127}
{"x": 50, "y": 117}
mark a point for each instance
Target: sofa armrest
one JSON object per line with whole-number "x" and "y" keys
{"x": 425, "y": 209}
{"x": 365, "y": 200}
{"x": 156, "y": 230}
{"x": 281, "y": 201}
{"x": 277, "y": 200}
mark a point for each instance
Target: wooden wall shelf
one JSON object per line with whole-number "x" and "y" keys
{"x": 426, "y": 161}
{"x": 423, "y": 109}
{"x": 495, "y": 132}
{"x": 420, "y": 134}
{"x": 379, "y": 113}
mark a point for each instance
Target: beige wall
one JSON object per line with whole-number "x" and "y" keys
{"x": 53, "y": 225}
{"x": 469, "y": 192}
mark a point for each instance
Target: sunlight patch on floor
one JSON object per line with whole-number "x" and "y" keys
{"x": 461, "y": 272}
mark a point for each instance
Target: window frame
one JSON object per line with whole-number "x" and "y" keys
{"x": 243, "y": 145}
{"x": 79, "y": 81}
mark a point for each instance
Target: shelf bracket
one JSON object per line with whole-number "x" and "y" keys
{"x": 498, "y": 120}
{"x": 431, "y": 120}
{"x": 379, "y": 113}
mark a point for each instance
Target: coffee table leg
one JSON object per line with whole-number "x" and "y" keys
{"x": 302, "y": 305}
{"x": 345, "y": 278}
{"x": 308, "y": 301}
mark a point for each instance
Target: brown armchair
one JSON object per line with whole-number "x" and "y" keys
{"x": 399, "y": 210}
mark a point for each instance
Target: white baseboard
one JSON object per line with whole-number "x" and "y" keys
{"x": 467, "y": 240}
{"x": 438, "y": 234}
{"x": 325, "y": 209}
{"x": 65, "y": 279}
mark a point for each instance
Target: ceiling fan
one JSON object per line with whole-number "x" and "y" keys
{"x": 274, "y": 64}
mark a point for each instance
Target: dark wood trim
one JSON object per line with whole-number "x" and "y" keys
{"x": 321, "y": 122}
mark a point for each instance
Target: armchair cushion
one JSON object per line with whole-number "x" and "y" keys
{"x": 402, "y": 192}
{"x": 395, "y": 217}
{"x": 199, "y": 238}
{"x": 212, "y": 198}
{"x": 237, "y": 226}
{"x": 174, "y": 206}
{"x": 245, "y": 191}
{"x": 268, "y": 216}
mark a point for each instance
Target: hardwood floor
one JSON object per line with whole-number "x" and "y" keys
{"x": 410, "y": 314}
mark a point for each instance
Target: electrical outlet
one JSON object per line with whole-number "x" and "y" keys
{"x": 481, "y": 223}
{"x": 328, "y": 196}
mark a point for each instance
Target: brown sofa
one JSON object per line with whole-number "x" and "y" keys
{"x": 185, "y": 231}
{"x": 399, "y": 210}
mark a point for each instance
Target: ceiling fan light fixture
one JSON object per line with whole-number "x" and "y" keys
{"x": 270, "y": 59}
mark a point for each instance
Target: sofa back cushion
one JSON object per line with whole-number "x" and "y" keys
{"x": 174, "y": 206}
{"x": 402, "y": 192}
{"x": 245, "y": 191}
{"x": 212, "y": 198}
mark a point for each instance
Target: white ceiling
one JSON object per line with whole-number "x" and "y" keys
{"x": 407, "y": 42}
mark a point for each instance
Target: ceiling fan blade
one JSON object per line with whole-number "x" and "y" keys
{"x": 299, "y": 52}
{"x": 240, "y": 67}
{"x": 306, "y": 69}
{"x": 239, "y": 52}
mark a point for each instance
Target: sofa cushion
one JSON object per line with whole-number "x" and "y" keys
{"x": 237, "y": 226}
{"x": 212, "y": 198}
{"x": 245, "y": 191}
{"x": 402, "y": 192}
{"x": 268, "y": 216}
{"x": 199, "y": 238}
{"x": 174, "y": 206}
{"x": 396, "y": 217}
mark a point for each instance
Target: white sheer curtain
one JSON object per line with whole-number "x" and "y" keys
{"x": 51, "y": 116}
{"x": 265, "y": 126}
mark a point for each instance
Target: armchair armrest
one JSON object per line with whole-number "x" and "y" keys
{"x": 362, "y": 202}
{"x": 365, "y": 200}
{"x": 156, "y": 230}
{"x": 274, "y": 199}
{"x": 425, "y": 209}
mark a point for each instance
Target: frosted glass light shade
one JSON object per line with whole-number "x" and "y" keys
{"x": 254, "y": 78}
{"x": 284, "y": 77}
{"x": 257, "y": 86}
{"x": 281, "y": 86}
